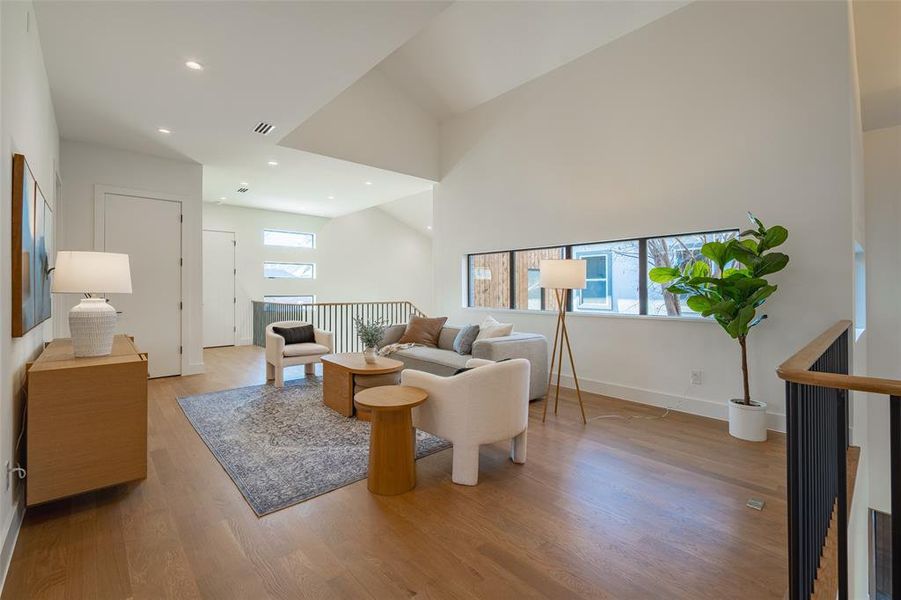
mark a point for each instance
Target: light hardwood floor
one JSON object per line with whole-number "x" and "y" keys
{"x": 618, "y": 509}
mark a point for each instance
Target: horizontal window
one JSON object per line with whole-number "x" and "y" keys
{"x": 616, "y": 275}
{"x": 290, "y": 239}
{"x": 290, "y": 299}
{"x": 282, "y": 270}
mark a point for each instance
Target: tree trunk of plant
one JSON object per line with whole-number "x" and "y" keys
{"x": 742, "y": 341}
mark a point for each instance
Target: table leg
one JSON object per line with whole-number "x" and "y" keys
{"x": 392, "y": 464}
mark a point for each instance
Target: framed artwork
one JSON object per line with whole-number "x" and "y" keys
{"x": 32, "y": 226}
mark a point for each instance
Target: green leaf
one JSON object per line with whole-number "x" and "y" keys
{"x": 761, "y": 294}
{"x": 770, "y": 263}
{"x": 678, "y": 290}
{"x": 699, "y": 303}
{"x": 700, "y": 269}
{"x": 757, "y": 222}
{"x": 718, "y": 252}
{"x": 724, "y": 310}
{"x": 663, "y": 274}
{"x": 744, "y": 255}
{"x": 774, "y": 236}
{"x": 756, "y": 321}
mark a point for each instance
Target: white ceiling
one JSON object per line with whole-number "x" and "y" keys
{"x": 117, "y": 73}
{"x": 475, "y": 51}
{"x": 415, "y": 211}
{"x": 877, "y": 29}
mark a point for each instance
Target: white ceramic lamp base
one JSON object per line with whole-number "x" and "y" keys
{"x": 92, "y": 324}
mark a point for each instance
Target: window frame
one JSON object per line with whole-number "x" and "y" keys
{"x": 284, "y": 262}
{"x": 301, "y": 233}
{"x": 608, "y": 287}
{"x": 568, "y": 254}
{"x": 312, "y": 297}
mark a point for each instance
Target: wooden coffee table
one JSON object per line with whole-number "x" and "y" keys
{"x": 338, "y": 372}
{"x": 392, "y": 440}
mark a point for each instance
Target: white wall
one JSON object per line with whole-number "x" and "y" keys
{"x": 683, "y": 125}
{"x": 373, "y": 123}
{"x": 365, "y": 256}
{"x": 85, "y": 165}
{"x": 27, "y": 126}
{"x": 882, "y": 163}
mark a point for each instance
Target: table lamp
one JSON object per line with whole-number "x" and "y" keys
{"x": 93, "y": 321}
{"x": 562, "y": 275}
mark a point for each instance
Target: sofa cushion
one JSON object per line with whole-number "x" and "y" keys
{"x": 302, "y": 334}
{"x": 422, "y": 330}
{"x": 492, "y": 328}
{"x": 447, "y": 336}
{"x": 444, "y": 358}
{"x": 304, "y": 349}
{"x": 465, "y": 338}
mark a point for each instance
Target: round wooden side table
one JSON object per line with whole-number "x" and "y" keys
{"x": 392, "y": 440}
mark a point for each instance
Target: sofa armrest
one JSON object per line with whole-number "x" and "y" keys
{"x": 325, "y": 338}
{"x": 531, "y": 346}
{"x": 275, "y": 347}
{"x": 392, "y": 334}
{"x": 472, "y": 363}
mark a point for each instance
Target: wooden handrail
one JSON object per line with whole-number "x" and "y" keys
{"x": 341, "y": 303}
{"x": 797, "y": 368}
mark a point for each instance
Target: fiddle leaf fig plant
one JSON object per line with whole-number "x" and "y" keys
{"x": 731, "y": 287}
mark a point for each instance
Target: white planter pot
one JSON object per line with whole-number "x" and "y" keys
{"x": 370, "y": 355}
{"x": 747, "y": 422}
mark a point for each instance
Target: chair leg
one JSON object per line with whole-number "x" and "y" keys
{"x": 466, "y": 465}
{"x": 309, "y": 368}
{"x": 279, "y": 376}
{"x": 518, "y": 448}
{"x": 270, "y": 372}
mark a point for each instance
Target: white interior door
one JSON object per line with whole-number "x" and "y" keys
{"x": 149, "y": 231}
{"x": 218, "y": 288}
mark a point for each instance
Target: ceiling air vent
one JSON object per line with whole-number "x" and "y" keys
{"x": 263, "y": 128}
{"x": 243, "y": 189}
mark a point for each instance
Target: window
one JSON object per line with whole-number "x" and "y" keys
{"x": 616, "y": 275}
{"x": 280, "y": 270}
{"x": 308, "y": 299}
{"x": 290, "y": 239}
{"x": 489, "y": 280}
{"x": 675, "y": 251}
{"x": 611, "y": 278}
{"x": 529, "y": 295}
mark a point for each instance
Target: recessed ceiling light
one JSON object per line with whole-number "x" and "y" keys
{"x": 429, "y": 227}
{"x": 194, "y": 65}
{"x": 163, "y": 130}
{"x": 244, "y": 184}
{"x": 331, "y": 197}
{"x": 368, "y": 183}
{"x": 222, "y": 198}
{"x": 273, "y": 163}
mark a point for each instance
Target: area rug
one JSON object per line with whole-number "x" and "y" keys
{"x": 283, "y": 446}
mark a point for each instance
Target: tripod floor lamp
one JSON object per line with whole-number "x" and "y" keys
{"x": 561, "y": 276}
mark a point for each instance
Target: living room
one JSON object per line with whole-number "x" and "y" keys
{"x": 615, "y": 264}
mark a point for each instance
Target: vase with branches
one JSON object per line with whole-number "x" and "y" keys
{"x": 370, "y": 334}
{"x": 730, "y": 286}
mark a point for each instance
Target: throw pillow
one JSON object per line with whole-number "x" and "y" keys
{"x": 423, "y": 331}
{"x": 302, "y": 334}
{"x": 491, "y": 328}
{"x": 465, "y": 337}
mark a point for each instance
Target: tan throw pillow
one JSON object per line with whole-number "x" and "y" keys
{"x": 492, "y": 328}
{"x": 423, "y": 331}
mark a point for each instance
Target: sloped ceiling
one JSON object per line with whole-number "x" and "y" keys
{"x": 877, "y": 32}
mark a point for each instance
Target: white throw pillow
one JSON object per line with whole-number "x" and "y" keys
{"x": 491, "y": 328}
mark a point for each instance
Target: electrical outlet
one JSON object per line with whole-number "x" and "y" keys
{"x": 696, "y": 377}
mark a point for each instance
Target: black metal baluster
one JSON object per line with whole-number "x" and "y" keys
{"x": 895, "y": 477}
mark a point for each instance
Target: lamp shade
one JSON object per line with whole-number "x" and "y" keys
{"x": 562, "y": 274}
{"x": 91, "y": 272}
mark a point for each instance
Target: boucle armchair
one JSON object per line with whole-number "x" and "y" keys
{"x": 488, "y": 404}
{"x": 280, "y": 355}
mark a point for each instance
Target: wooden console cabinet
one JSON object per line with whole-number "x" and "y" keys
{"x": 86, "y": 420}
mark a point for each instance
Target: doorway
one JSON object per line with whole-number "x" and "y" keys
{"x": 218, "y": 288}
{"x": 148, "y": 230}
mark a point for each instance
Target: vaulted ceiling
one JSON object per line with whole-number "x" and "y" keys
{"x": 117, "y": 74}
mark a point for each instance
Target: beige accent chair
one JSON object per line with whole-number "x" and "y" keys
{"x": 488, "y": 404}
{"x": 280, "y": 355}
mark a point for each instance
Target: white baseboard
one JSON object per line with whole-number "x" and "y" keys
{"x": 694, "y": 406}
{"x": 9, "y": 541}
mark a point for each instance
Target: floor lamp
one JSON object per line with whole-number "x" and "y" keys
{"x": 561, "y": 276}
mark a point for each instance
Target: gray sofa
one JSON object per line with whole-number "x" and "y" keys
{"x": 444, "y": 361}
